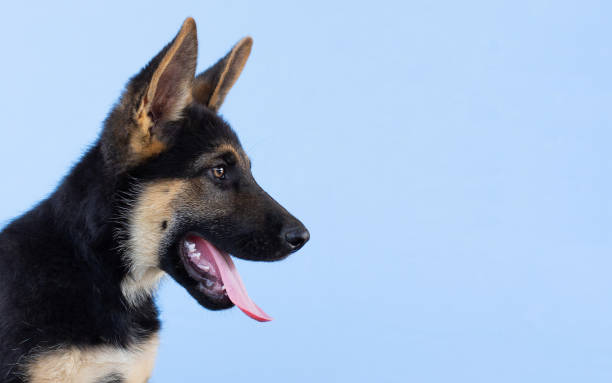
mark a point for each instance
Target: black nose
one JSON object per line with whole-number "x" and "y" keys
{"x": 297, "y": 237}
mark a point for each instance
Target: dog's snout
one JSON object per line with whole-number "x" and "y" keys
{"x": 296, "y": 237}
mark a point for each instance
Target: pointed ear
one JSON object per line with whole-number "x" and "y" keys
{"x": 137, "y": 127}
{"x": 159, "y": 93}
{"x": 168, "y": 91}
{"x": 211, "y": 87}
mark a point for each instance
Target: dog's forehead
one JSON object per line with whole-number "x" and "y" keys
{"x": 227, "y": 151}
{"x": 212, "y": 135}
{"x": 234, "y": 150}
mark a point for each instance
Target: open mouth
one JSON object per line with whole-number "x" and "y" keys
{"x": 216, "y": 275}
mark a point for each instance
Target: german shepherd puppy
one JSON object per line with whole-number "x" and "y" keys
{"x": 166, "y": 189}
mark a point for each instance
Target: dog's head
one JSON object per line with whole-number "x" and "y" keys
{"x": 192, "y": 198}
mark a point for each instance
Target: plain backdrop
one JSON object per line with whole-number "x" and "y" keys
{"x": 451, "y": 160}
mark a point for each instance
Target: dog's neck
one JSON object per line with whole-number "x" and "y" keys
{"x": 91, "y": 212}
{"x": 83, "y": 205}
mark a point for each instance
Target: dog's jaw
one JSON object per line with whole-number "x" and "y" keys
{"x": 216, "y": 275}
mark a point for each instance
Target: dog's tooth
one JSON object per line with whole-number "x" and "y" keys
{"x": 223, "y": 287}
{"x": 195, "y": 255}
{"x": 209, "y": 283}
{"x": 204, "y": 267}
{"x": 191, "y": 246}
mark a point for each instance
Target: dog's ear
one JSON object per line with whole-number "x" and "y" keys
{"x": 168, "y": 90}
{"x": 211, "y": 86}
{"x": 139, "y": 126}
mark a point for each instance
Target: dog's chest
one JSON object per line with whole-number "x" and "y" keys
{"x": 95, "y": 365}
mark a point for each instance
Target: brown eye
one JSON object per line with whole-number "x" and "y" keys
{"x": 219, "y": 172}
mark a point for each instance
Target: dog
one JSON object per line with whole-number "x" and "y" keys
{"x": 166, "y": 189}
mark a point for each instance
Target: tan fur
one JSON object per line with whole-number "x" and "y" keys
{"x": 153, "y": 207}
{"x": 188, "y": 28}
{"x": 235, "y": 63}
{"x": 212, "y": 92}
{"x": 143, "y": 144}
{"x": 238, "y": 152}
{"x": 88, "y": 365}
{"x": 229, "y": 148}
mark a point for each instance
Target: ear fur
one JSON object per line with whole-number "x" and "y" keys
{"x": 167, "y": 92}
{"x": 211, "y": 86}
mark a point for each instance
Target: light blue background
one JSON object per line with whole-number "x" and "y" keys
{"x": 451, "y": 159}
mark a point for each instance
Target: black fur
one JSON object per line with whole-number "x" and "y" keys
{"x": 62, "y": 263}
{"x": 112, "y": 378}
{"x": 60, "y": 272}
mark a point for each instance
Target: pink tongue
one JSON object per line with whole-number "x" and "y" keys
{"x": 233, "y": 283}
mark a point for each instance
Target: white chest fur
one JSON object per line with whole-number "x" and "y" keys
{"x": 90, "y": 365}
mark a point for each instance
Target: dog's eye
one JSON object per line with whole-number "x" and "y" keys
{"x": 219, "y": 172}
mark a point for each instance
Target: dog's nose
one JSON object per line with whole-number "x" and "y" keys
{"x": 297, "y": 237}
